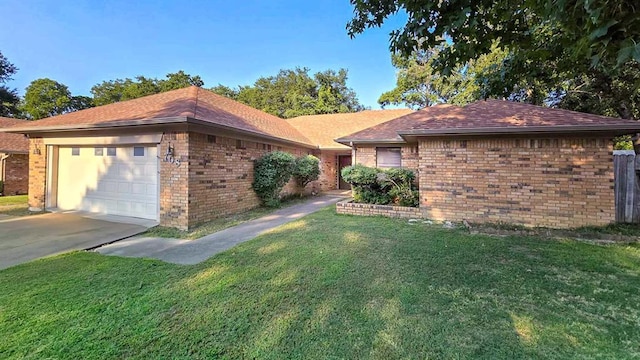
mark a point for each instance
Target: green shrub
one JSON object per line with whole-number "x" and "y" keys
{"x": 378, "y": 186}
{"x": 271, "y": 174}
{"x": 306, "y": 169}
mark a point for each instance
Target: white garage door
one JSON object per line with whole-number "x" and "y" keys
{"x": 119, "y": 180}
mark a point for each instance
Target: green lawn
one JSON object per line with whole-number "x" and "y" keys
{"x": 218, "y": 224}
{"x": 14, "y": 205}
{"x": 330, "y": 286}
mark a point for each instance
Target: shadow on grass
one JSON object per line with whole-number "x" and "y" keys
{"x": 333, "y": 286}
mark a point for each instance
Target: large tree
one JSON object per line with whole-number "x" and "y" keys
{"x": 548, "y": 44}
{"x": 9, "y": 98}
{"x": 113, "y": 91}
{"x": 46, "y": 97}
{"x": 294, "y": 92}
{"x": 418, "y": 85}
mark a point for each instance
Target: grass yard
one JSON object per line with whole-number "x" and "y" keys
{"x": 219, "y": 223}
{"x": 330, "y": 286}
{"x": 14, "y": 205}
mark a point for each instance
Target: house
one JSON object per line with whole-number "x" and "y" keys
{"x": 181, "y": 157}
{"x": 321, "y": 130}
{"x": 502, "y": 161}
{"x": 14, "y": 160}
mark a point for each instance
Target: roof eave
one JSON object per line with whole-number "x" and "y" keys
{"x": 99, "y": 126}
{"x": 571, "y": 129}
{"x": 349, "y": 141}
{"x": 17, "y": 152}
{"x": 195, "y": 121}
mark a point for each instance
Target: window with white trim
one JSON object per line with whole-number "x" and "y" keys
{"x": 388, "y": 157}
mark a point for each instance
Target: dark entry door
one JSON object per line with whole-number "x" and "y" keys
{"x": 343, "y": 161}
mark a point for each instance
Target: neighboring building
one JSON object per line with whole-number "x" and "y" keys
{"x": 14, "y": 159}
{"x": 502, "y": 161}
{"x": 321, "y": 130}
{"x": 181, "y": 157}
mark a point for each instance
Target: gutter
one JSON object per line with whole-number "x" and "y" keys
{"x": 147, "y": 122}
{"x": 622, "y": 128}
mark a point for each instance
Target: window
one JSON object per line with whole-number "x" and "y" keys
{"x": 211, "y": 139}
{"x": 98, "y": 151}
{"x": 75, "y": 151}
{"x": 138, "y": 151}
{"x": 388, "y": 157}
{"x": 111, "y": 151}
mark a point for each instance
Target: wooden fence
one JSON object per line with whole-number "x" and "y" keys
{"x": 626, "y": 166}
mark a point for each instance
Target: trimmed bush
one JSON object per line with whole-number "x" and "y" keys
{"x": 383, "y": 187}
{"x": 306, "y": 169}
{"x": 271, "y": 174}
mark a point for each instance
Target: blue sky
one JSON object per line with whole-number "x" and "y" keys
{"x": 80, "y": 43}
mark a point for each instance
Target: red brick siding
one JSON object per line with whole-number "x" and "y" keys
{"x": 174, "y": 185}
{"x": 556, "y": 182}
{"x": 221, "y": 174}
{"x": 16, "y": 174}
{"x": 37, "y": 174}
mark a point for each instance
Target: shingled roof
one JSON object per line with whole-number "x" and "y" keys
{"x": 323, "y": 129}
{"x": 13, "y": 143}
{"x": 490, "y": 117}
{"x": 187, "y": 105}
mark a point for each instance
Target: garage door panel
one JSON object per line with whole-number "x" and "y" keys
{"x": 121, "y": 185}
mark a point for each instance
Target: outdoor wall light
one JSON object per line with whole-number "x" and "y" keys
{"x": 36, "y": 150}
{"x": 170, "y": 151}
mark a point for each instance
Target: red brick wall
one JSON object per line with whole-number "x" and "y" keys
{"x": 37, "y": 174}
{"x": 555, "y": 182}
{"x": 16, "y": 174}
{"x": 221, "y": 174}
{"x": 174, "y": 186}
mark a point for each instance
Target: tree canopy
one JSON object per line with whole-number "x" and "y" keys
{"x": 113, "y": 91}
{"x": 46, "y": 97}
{"x": 576, "y": 54}
{"x": 9, "y": 98}
{"x": 294, "y": 92}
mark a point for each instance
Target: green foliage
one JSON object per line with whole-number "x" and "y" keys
{"x": 113, "y": 91}
{"x": 294, "y": 92}
{"x": 9, "y": 98}
{"x": 572, "y": 48}
{"x": 379, "y": 186}
{"x": 46, "y": 97}
{"x": 271, "y": 174}
{"x": 419, "y": 86}
{"x": 306, "y": 169}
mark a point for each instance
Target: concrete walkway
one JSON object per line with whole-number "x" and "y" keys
{"x": 188, "y": 252}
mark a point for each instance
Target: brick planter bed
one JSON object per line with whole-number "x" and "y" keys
{"x": 350, "y": 208}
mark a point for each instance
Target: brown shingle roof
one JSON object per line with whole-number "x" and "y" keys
{"x": 12, "y": 143}
{"x": 323, "y": 129}
{"x": 174, "y": 106}
{"x": 490, "y": 117}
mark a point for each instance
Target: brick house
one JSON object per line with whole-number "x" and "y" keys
{"x": 502, "y": 161}
{"x": 321, "y": 130}
{"x": 181, "y": 157}
{"x": 14, "y": 159}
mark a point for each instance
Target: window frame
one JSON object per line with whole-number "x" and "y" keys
{"x": 389, "y": 150}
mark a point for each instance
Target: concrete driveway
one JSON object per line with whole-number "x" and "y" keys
{"x": 30, "y": 237}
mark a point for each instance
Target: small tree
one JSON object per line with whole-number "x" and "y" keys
{"x": 271, "y": 174}
{"x": 306, "y": 169}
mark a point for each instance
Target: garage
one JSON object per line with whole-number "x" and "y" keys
{"x": 116, "y": 180}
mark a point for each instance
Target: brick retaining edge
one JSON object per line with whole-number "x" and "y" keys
{"x": 348, "y": 207}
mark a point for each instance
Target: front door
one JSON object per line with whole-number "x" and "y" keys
{"x": 343, "y": 161}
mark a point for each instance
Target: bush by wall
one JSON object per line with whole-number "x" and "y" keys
{"x": 383, "y": 187}
{"x": 306, "y": 169}
{"x": 271, "y": 174}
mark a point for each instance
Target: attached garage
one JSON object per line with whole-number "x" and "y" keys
{"x": 117, "y": 180}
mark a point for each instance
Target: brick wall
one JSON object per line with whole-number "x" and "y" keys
{"x": 350, "y": 208}
{"x": 328, "y": 179}
{"x": 556, "y": 183}
{"x": 366, "y": 155}
{"x": 16, "y": 174}
{"x": 221, "y": 174}
{"x": 37, "y": 174}
{"x": 174, "y": 181}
